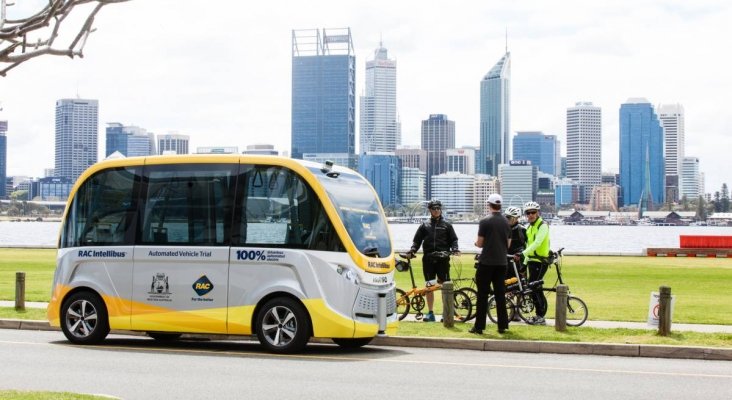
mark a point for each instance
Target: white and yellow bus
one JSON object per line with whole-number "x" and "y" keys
{"x": 238, "y": 245}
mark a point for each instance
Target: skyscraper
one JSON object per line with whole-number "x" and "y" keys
{"x": 323, "y": 93}
{"x": 438, "y": 135}
{"x": 641, "y": 153}
{"x": 461, "y": 160}
{"x": 584, "y": 146}
{"x": 3, "y": 157}
{"x": 672, "y": 121}
{"x": 379, "y": 128}
{"x": 542, "y": 150}
{"x": 173, "y": 144}
{"x": 495, "y": 117}
{"x": 130, "y": 141}
{"x": 691, "y": 180}
{"x": 382, "y": 170}
{"x": 77, "y": 132}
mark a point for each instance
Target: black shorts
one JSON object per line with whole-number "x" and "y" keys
{"x": 439, "y": 268}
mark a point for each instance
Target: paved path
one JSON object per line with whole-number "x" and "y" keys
{"x": 593, "y": 324}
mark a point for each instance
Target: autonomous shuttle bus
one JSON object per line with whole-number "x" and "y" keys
{"x": 238, "y": 245}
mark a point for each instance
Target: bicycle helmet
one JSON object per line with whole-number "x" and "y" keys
{"x": 434, "y": 203}
{"x": 532, "y": 205}
{"x": 513, "y": 212}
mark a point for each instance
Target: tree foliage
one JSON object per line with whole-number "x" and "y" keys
{"x": 25, "y": 38}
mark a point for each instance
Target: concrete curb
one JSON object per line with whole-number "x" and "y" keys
{"x": 519, "y": 346}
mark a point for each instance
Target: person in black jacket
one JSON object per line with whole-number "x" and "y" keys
{"x": 438, "y": 239}
{"x": 518, "y": 239}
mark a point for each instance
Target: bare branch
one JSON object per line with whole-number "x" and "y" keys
{"x": 26, "y": 38}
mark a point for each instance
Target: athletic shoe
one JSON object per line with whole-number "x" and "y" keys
{"x": 537, "y": 320}
{"x": 429, "y": 317}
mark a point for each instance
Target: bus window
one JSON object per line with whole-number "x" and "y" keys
{"x": 103, "y": 210}
{"x": 279, "y": 209}
{"x": 188, "y": 204}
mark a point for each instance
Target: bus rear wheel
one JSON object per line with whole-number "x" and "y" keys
{"x": 84, "y": 318}
{"x": 283, "y": 326}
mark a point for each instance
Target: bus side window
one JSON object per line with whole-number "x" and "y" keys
{"x": 103, "y": 210}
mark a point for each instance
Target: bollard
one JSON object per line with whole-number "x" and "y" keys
{"x": 664, "y": 311}
{"x": 20, "y": 291}
{"x": 448, "y": 305}
{"x": 560, "y": 314}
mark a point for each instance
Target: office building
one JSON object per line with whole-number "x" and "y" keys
{"x": 413, "y": 186}
{"x": 671, "y": 117}
{"x": 217, "y": 150}
{"x": 641, "y": 155}
{"x": 379, "y": 126}
{"x": 412, "y": 157}
{"x": 542, "y": 150}
{"x": 173, "y": 143}
{"x": 438, "y": 135}
{"x": 604, "y": 198}
{"x": 518, "y": 182}
{"x": 584, "y": 146}
{"x": 566, "y": 192}
{"x": 495, "y": 117}
{"x": 261, "y": 149}
{"x": 382, "y": 170}
{"x": 691, "y": 179}
{"x": 130, "y": 141}
{"x": 77, "y": 132}
{"x": 461, "y": 160}
{"x": 485, "y": 185}
{"x": 456, "y": 191}
{"x": 323, "y": 94}
{"x": 50, "y": 189}
{"x": 3, "y": 158}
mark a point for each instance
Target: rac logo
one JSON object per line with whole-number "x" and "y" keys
{"x": 202, "y": 286}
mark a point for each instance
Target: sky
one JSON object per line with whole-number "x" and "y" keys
{"x": 221, "y": 71}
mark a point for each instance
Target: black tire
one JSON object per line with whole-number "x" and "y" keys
{"x": 525, "y": 307}
{"x": 283, "y": 326}
{"x": 473, "y": 296}
{"x": 352, "y": 343}
{"x": 402, "y": 304}
{"x": 463, "y": 305}
{"x": 164, "y": 336}
{"x": 576, "y": 311}
{"x": 493, "y": 315}
{"x": 84, "y": 318}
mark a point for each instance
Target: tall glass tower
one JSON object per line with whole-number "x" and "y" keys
{"x": 542, "y": 150}
{"x": 438, "y": 135}
{"x": 672, "y": 121}
{"x": 379, "y": 127}
{"x": 130, "y": 141}
{"x": 3, "y": 157}
{"x": 323, "y": 93}
{"x": 494, "y": 117}
{"x": 77, "y": 132}
{"x": 641, "y": 154}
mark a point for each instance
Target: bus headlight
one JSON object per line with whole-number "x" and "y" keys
{"x": 349, "y": 274}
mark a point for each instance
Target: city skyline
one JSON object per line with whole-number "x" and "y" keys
{"x": 194, "y": 82}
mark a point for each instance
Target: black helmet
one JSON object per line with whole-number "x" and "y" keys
{"x": 434, "y": 203}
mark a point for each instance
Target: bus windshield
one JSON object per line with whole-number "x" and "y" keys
{"x": 359, "y": 210}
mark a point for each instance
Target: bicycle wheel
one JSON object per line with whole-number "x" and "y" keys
{"x": 493, "y": 314}
{"x": 525, "y": 307}
{"x": 473, "y": 296}
{"x": 463, "y": 305}
{"x": 402, "y": 304}
{"x": 576, "y": 311}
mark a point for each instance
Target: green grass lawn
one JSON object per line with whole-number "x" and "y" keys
{"x": 28, "y": 395}
{"x": 614, "y": 288}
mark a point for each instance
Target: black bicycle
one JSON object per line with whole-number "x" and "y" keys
{"x": 519, "y": 297}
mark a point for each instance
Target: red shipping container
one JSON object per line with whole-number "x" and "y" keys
{"x": 705, "y": 242}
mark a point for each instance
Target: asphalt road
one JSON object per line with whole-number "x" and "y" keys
{"x": 140, "y": 368}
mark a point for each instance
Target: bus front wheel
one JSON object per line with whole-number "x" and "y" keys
{"x": 84, "y": 318}
{"x": 283, "y": 326}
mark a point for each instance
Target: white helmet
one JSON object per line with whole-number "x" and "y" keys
{"x": 532, "y": 205}
{"x": 513, "y": 212}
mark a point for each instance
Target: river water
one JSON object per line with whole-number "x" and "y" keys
{"x": 577, "y": 239}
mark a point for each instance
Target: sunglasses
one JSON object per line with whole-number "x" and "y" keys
{"x": 530, "y": 212}
{"x": 435, "y": 208}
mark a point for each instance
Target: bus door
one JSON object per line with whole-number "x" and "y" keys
{"x": 180, "y": 279}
